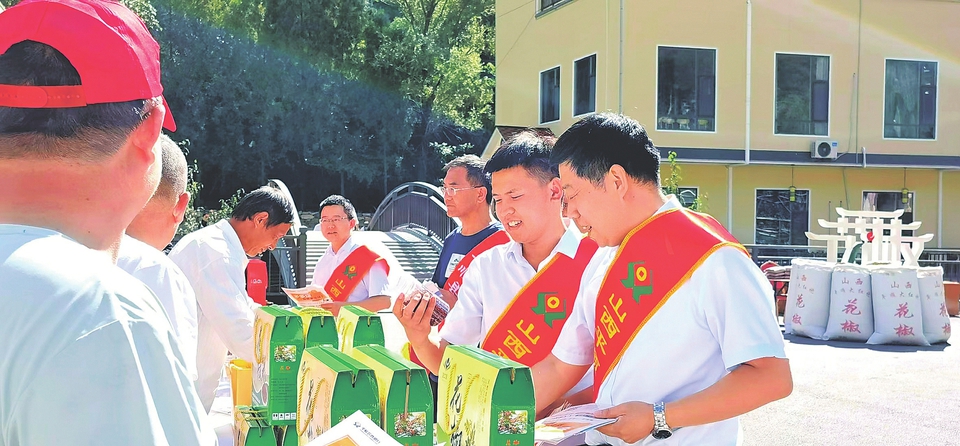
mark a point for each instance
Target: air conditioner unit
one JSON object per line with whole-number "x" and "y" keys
{"x": 824, "y": 150}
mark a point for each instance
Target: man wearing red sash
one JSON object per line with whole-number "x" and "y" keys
{"x": 516, "y": 296}
{"x": 349, "y": 272}
{"x": 466, "y": 193}
{"x": 676, "y": 320}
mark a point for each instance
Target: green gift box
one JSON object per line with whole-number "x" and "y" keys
{"x": 358, "y": 326}
{"x": 319, "y": 327}
{"x": 406, "y": 399}
{"x": 251, "y": 427}
{"x": 278, "y": 344}
{"x": 484, "y": 399}
{"x": 331, "y": 387}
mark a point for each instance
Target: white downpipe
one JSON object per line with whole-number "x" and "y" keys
{"x": 730, "y": 198}
{"x": 940, "y": 208}
{"x": 746, "y": 139}
{"x": 620, "y": 80}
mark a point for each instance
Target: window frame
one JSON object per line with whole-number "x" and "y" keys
{"x": 544, "y": 9}
{"x": 756, "y": 190}
{"x": 883, "y": 115}
{"x": 716, "y": 90}
{"x": 559, "y": 95}
{"x": 829, "y": 93}
{"x": 573, "y": 84}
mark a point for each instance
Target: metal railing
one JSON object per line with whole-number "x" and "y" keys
{"x": 418, "y": 203}
{"x": 948, "y": 259}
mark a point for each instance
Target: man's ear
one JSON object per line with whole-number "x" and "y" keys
{"x": 556, "y": 191}
{"x": 353, "y": 223}
{"x": 260, "y": 219}
{"x": 618, "y": 179}
{"x": 181, "y": 207}
{"x": 144, "y": 137}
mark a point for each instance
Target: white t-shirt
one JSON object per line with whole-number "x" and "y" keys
{"x": 86, "y": 354}
{"x": 375, "y": 283}
{"x": 168, "y": 283}
{"x": 490, "y": 284}
{"x": 214, "y": 262}
{"x": 721, "y": 317}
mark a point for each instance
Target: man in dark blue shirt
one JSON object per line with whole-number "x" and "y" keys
{"x": 466, "y": 192}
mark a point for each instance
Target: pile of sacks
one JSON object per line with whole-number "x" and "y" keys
{"x": 872, "y": 304}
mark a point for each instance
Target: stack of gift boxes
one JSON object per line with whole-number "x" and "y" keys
{"x": 876, "y": 304}
{"x": 312, "y": 370}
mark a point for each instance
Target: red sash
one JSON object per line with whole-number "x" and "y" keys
{"x": 351, "y": 272}
{"x": 456, "y": 277}
{"x": 529, "y": 327}
{"x": 670, "y": 245}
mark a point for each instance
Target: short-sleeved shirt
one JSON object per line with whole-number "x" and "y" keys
{"x": 164, "y": 278}
{"x": 720, "y": 318}
{"x": 87, "y": 355}
{"x": 375, "y": 283}
{"x": 455, "y": 247}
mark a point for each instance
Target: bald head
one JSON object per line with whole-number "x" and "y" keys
{"x": 158, "y": 221}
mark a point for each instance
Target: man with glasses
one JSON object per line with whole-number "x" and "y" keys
{"x": 349, "y": 272}
{"x": 466, "y": 193}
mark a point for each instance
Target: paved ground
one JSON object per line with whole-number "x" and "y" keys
{"x": 856, "y": 394}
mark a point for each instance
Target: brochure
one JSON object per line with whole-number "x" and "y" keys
{"x": 355, "y": 430}
{"x": 311, "y": 296}
{"x": 566, "y": 422}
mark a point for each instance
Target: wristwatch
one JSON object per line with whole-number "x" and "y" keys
{"x": 660, "y": 428}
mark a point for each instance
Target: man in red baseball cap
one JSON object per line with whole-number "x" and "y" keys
{"x": 87, "y": 355}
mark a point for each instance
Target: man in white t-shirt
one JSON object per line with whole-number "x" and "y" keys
{"x": 543, "y": 262}
{"x": 214, "y": 259}
{"x": 349, "y": 272}
{"x": 150, "y": 232}
{"x": 676, "y": 320}
{"x": 87, "y": 355}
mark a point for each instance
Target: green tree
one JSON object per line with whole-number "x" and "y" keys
{"x": 671, "y": 186}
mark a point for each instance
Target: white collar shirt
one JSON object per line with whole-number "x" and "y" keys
{"x": 171, "y": 286}
{"x": 490, "y": 284}
{"x": 723, "y": 316}
{"x": 214, "y": 262}
{"x": 374, "y": 283}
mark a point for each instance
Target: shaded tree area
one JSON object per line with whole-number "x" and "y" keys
{"x": 329, "y": 96}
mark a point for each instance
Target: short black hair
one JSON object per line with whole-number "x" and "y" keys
{"x": 594, "y": 144}
{"x": 474, "y": 165}
{"x": 340, "y": 200}
{"x": 528, "y": 150}
{"x": 40, "y": 132}
{"x": 265, "y": 199}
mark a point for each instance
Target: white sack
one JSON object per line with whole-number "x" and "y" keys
{"x": 808, "y": 299}
{"x": 851, "y": 305}
{"x": 897, "y": 316}
{"x": 936, "y": 321}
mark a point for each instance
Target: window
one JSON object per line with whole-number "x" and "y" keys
{"x": 780, "y": 221}
{"x": 585, "y": 85}
{"x": 686, "y": 88}
{"x": 546, "y": 4}
{"x": 910, "y": 100}
{"x": 803, "y": 95}
{"x": 550, "y": 95}
{"x": 890, "y": 201}
{"x": 685, "y": 195}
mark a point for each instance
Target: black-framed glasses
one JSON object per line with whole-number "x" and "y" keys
{"x": 449, "y": 190}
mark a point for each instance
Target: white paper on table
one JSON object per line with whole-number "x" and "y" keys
{"x": 355, "y": 430}
{"x": 568, "y": 422}
{"x": 310, "y": 296}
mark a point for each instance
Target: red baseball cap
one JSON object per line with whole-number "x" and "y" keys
{"x": 109, "y": 46}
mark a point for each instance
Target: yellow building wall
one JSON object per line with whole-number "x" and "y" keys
{"x": 950, "y": 237}
{"x": 711, "y": 183}
{"x": 653, "y": 24}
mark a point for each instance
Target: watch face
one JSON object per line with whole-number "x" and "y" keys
{"x": 662, "y": 434}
